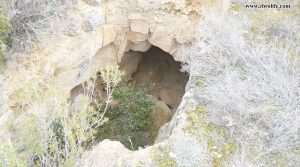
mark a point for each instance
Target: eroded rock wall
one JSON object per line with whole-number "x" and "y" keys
{"x": 96, "y": 35}
{"x": 101, "y": 34}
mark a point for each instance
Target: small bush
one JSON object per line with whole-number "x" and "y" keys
{"x": 137, "y": 102}
{"x": 129, "y": 119}
{"x": 8, "y": 156}
{"x": 29, "y": 18}
{"x": 47, "y": 133}
{"x": 250, "y": 89}
{"x": 4, "y": 28}
{"x": 4, "y": 23}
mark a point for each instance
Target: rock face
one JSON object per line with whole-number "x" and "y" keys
{"x": 129, "y": 63}
{"x": 246, "y": 114}
{"x": 99, "y": 34}
{"x": 160, "y": 115}
{"x": 159, "y": 69}
{"x": 174, "y": 146}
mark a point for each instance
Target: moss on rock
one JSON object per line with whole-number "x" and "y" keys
{"x": 219, "y": 143}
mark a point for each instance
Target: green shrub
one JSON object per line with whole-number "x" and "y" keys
{"x": 4, "y": 28}
{"x": 8, "y": 156}
{"x": 47, "y": 133}
{"x": 137, "y": 102}
{"x": 4, "y": 23}
{"x": 50, "y": 137}
{"x": 129, "y": 119}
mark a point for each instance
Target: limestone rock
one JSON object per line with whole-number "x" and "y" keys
{"x": 136, "y": 16}
{"x": 140, "y": 47}
{"x": 139, "y": 26}
{"x": 73, "y": 76}
{"x": 104, "y": 154}
{"x": 160, "y": 115}
{"x": 185, "y": 34}
{"x": 169, "y": 96}
{"x": 136, "y": 37}
{"x": 163, "y": 133}
{"x": 130, "y": 62}
{"x": 150, "y": 4}
{"x": 109, "y": 34}
{"x": 94, "y": 20}
{"x": 96, "y": 37}
{"x": 92, "y": 2}
{"x": 163, "y": 38}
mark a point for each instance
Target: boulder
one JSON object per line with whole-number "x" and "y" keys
{"x": 160, "y": 115}
{"x": 170, "y": 96}
{"x": 104, "y": 154}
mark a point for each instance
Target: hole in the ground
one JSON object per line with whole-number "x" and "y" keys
{"x": 160, "y": 71}
{"x": 146, "y": 99}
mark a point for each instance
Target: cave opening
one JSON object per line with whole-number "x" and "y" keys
{"x": 159, "y": 70}
{"x": 146, "y": 99}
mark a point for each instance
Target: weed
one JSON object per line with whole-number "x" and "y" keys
{"x": 4, "y": 28}
{"x": 47, "y": 134}
{"x": 137, "y": 102}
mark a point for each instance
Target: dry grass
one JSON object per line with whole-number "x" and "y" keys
{"x": 251, "y": 87}
{"x": 29, "y": 19}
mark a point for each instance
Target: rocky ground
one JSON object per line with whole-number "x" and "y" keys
{"x": 231, "y": 112}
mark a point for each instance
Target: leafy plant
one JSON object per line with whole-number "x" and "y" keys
{"x": 137, "y": 102}
{"x": 4, "y": 28}
{"x": 130, "y": 117}
{"x": 4, "y": 23}
{"x": 47, "y": 134}
{"x": 8, "y": 156}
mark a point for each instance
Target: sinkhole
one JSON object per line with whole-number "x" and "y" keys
{"x": 145, "y": 100}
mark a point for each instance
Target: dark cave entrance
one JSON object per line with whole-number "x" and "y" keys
{"x": 159, "y": 70}
{"x": 154, "y": 75}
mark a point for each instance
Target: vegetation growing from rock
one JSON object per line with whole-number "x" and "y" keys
{"x": 30, "y": 19}
{"x": 137, "y": 102}
{"x": 219, "y": 143}
{"x": 241, "y": 106}
{"x": 47, "y": 133}
{"x": 163, "y": 157}
{"x": 130, "y": 119}
{"x": 9, "y": 156}
{"x": 4, "y": 28}
{"x": 247, "y": 82}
